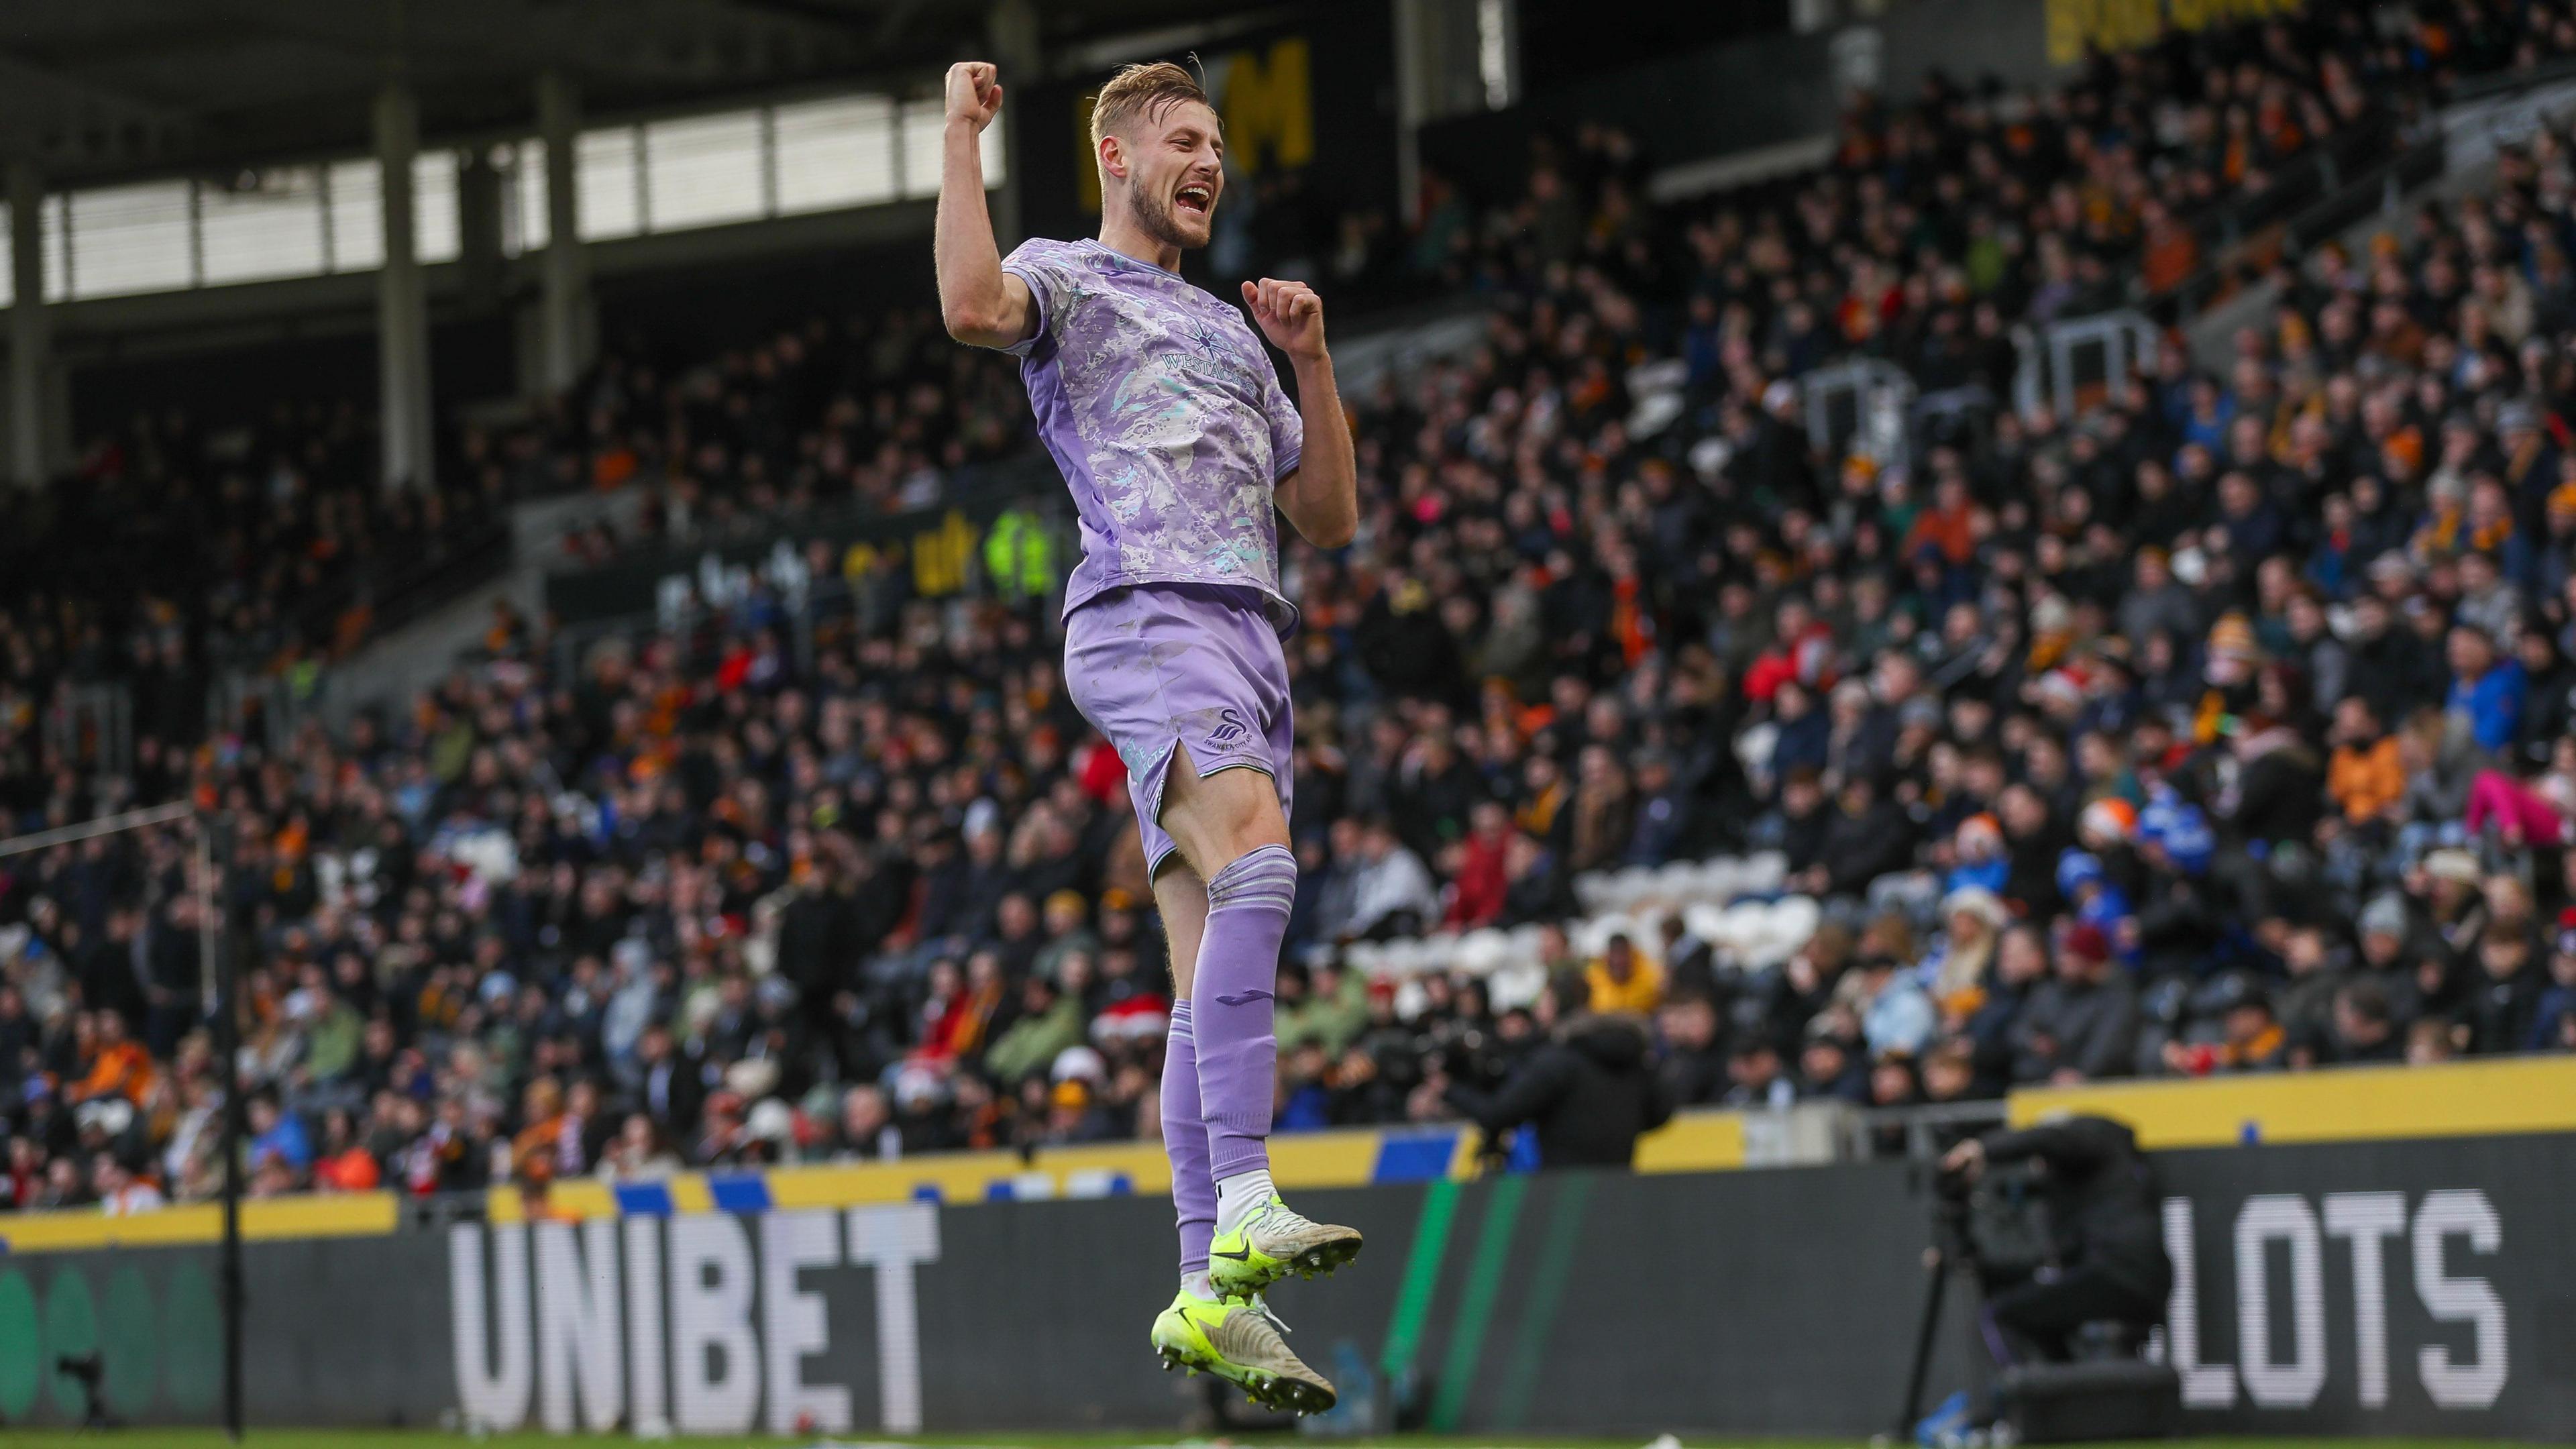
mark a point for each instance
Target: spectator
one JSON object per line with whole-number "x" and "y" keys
{"x": 867, "y": 1131}
{"x": 1392, "y": 891}
{"x": 2487, "y": 690}
{"x": 1694, "y": 1064}
{"x": 1048, "y": 1023}
{"x": 115, "y": 1065}
{"x": 277, "y": 1139}
{"x": 1830, "y": 1068}
{"x": 345, "y": 1164}
{"x": 2250, "y": 1038}
{"x": 1753, "y": 1065}
{"x": 1896, "y": 1013}
{"x": 638, "y": 1153}
{"x": 2365, "y": 1028}
{"x": 2078, "y": 1025}
{"x": 1589, "y": 1092}
{"x": 120, "y": 1192}
{"x": 1622, "y": 980}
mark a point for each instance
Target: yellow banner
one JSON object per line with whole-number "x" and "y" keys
{"x": 2461, "y": 1099}
{"x": 2111, "y": 26}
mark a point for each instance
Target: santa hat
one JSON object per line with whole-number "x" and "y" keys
{"x": 2108, "y": 819}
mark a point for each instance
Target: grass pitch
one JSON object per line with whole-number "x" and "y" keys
{"x": 439, "y": 1440}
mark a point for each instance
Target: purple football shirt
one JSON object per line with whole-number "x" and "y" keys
{"x": 1162, "y": 408}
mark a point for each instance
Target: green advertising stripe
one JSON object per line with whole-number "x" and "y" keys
{"x": 192, "y": 1354}
{"x": 1476, "y": 1308}
{"x": 1421, "y": 1277}
{"x": 129, "y": 1341}
{"x": 1546, "y": 1294}
{"x": 21, "y": 1346}
{"x": 71, "y": 1329}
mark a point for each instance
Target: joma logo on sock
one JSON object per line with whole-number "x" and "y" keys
{"x": 1244, "y": 999}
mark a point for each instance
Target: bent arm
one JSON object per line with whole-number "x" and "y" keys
{"x": 1530, "y": 1094}
{"x": 1321, "y": 499}
{"x": 2068, "y": 1147}
{"x": 980, "y": 303}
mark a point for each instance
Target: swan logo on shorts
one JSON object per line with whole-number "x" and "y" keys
{"x": 1230, "y": 729}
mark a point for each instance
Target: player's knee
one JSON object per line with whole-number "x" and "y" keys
{"x": 1261, "y": 878}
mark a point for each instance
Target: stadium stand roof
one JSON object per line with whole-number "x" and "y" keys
{"x": 115, "y": 88}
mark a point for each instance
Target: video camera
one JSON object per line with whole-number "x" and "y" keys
{"x": 1997, "y": 1223}
{"x": 1471, "y": 1055}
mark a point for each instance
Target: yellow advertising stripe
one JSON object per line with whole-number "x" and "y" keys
{"x": 966, "y": 1178}
{"x": 580, "y": 1198}
{"x": 1694, "y": 1142}
{"x": 689, "y": 1194}
{"x": 1321, "y": 1159}
{"x": 2458, "y": 1099}
{"x": 51, "y": 1232}
{"x": 1463, "y": 1155}
{"x": 330, "y": 1215}
{"x": 850, "y": 1185}
{"x": 1147, "y": 1170}
{"x": 337, "y": 1215}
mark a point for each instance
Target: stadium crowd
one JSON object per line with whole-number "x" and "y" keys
{"x": 2226, "y": 728}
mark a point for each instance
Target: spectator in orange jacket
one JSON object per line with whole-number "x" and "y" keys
{"x": 2364, "y": 776}
{"x": 1949, "y": 525}
{"x": 118, "y": 1066}
{"x": 345, "y": 1164}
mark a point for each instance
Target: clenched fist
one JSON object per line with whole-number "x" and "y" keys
{"x": 974, "y": 93}
{"x": 1289, "y": 314}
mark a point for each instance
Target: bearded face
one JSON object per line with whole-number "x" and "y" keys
{"x": 1175, "y": 172}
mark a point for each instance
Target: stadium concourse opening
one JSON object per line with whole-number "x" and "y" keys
{"x": 1917, "y": 566}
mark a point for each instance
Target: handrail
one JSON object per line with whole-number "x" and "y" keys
{"x": 2319, "y": 218}
{"x": 2345, "y": 200}
{"x": 455, "y": 560}
{"x": 2507, "y": 82}
{"x": 1918, "y": 1123}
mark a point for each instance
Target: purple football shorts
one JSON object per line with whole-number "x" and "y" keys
{"x": 1154, "y": 665}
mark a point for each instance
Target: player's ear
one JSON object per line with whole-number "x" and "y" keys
{"x": 1113, "y": 157}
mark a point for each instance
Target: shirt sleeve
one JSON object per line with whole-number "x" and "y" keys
{"x": 1287, "y": 429}
{"x": 1041, "y": 264}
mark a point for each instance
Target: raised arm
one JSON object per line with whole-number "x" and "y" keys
{"x": 979, "y": 302}
{"x": 1321, "y": 498}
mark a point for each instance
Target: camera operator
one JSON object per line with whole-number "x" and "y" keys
{"x": 2106, "y": 1258}
{"x": 1590, "y": 1087}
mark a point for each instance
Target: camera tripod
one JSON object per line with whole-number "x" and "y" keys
{"x": 1950, "y": 1251}
{"x": 88, "y": 1370}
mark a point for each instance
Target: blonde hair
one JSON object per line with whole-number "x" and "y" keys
{"x": 1146, "y": 90}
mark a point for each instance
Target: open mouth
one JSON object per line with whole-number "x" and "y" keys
{"x": 1195, "y": 197}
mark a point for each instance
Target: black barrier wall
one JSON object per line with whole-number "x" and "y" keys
{"x": 2398, "y": 1288}
{"x": 2380, "y": 1287}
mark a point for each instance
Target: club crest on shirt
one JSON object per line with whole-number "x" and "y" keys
{"x": 1229, "y": 727}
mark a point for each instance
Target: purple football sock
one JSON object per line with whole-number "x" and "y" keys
{"x": 1185, "y": 1143}
{"x": 1231, "y": 1003}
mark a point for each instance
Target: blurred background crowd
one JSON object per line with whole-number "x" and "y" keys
{"x": 2226, "y": 724}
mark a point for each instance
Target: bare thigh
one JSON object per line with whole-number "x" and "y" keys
{"x": 1216, "y": 819}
